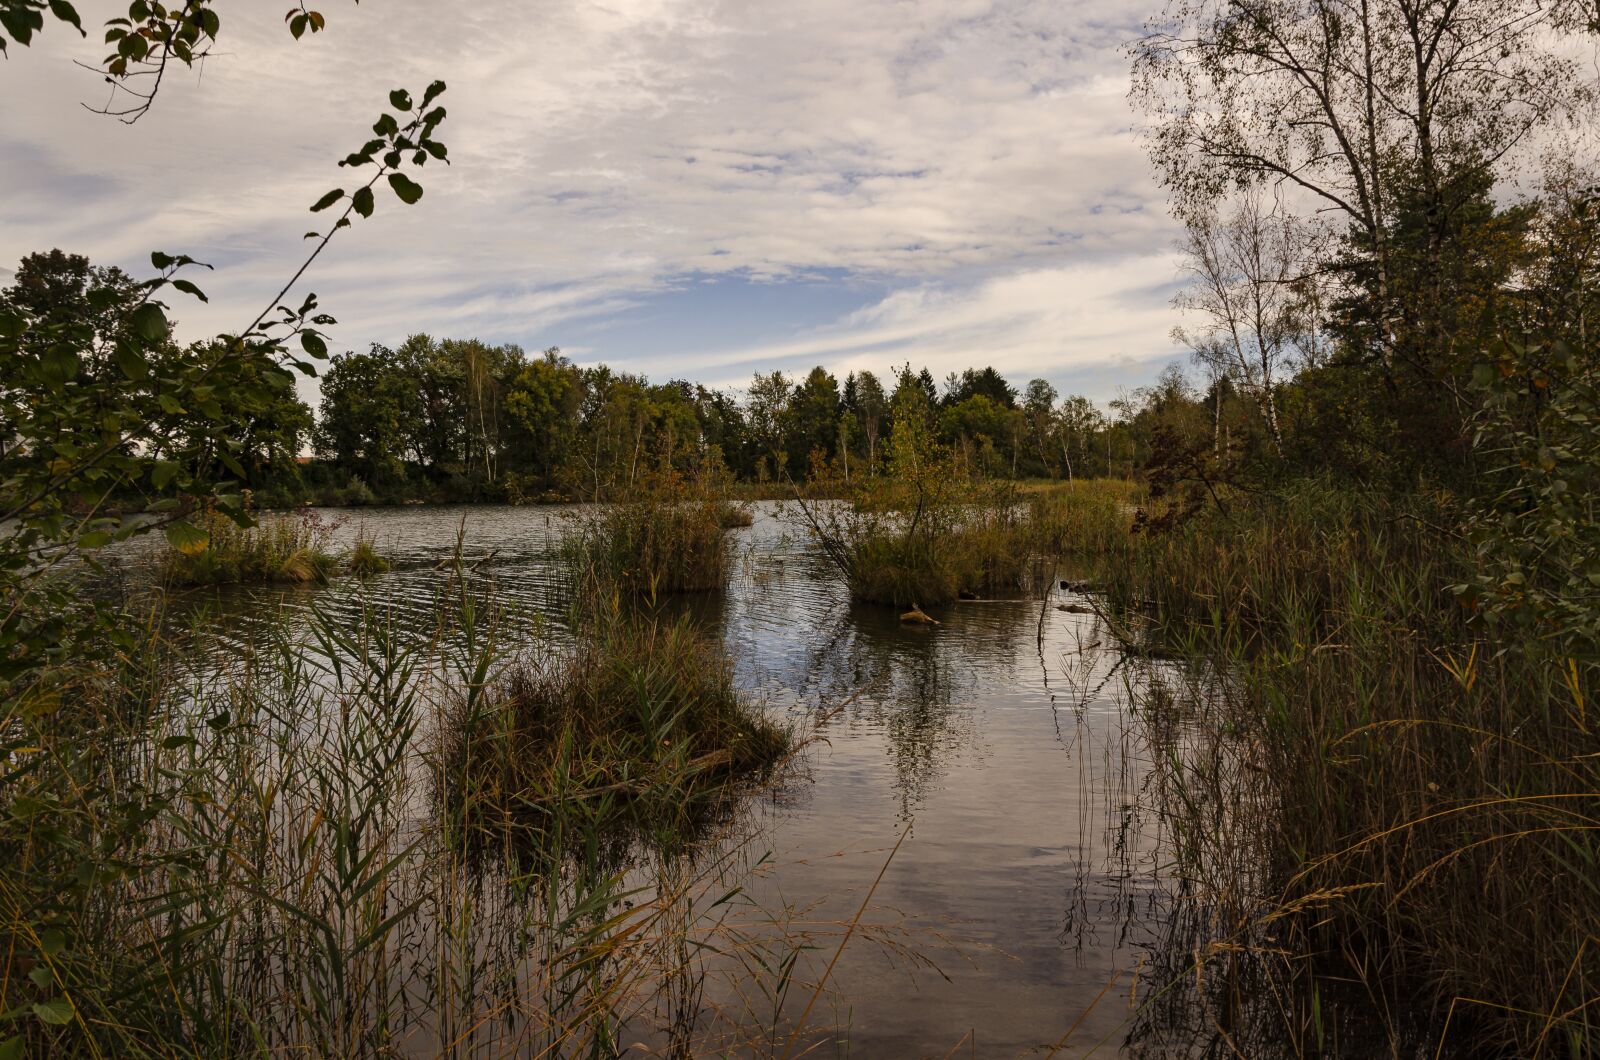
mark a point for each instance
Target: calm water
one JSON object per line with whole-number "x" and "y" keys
{"x": 1028, "y": 879}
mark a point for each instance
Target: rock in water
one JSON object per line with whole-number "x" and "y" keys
{"x": 915, "y": 616}
{"x": 1075, "y": 609}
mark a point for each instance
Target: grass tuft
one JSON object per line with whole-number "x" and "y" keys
{"x": 640, "y": 726}
{"x": 364, "y": 560}
{"x": 279, "y": 548}
{"x": 669, "y": 537}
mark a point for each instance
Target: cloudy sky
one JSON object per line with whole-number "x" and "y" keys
{"x": 685, "y": 188}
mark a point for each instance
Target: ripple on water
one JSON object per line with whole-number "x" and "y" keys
{"x": 1001, "y": 742}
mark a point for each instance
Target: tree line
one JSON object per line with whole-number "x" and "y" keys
{"x": 473, "y": 419}
{"x": 462, "y": 419}
{"x": 1368, "y": 296}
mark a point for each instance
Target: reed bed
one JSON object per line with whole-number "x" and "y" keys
{"x": 1385, "y": 813}
{"x": 668, "y": 537}
{"x": 641, "y": 727}
{"x": 1086, "y": 517}
{"x": 209, "y": 851}
{"x": 291, "y": 548}
{"x": 906, "y": 545}
{"x": 931, "y": 542}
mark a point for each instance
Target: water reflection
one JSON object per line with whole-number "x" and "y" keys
{"x": 1001, "y": 743}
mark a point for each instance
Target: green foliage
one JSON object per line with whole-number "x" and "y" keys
{"x": 366, "y": 408}
{"x": 542, "y": 402}
{"x": 812, "y": 420}
{"x": 1537, "y": 532}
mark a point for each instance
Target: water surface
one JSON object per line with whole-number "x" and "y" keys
{"x": 997, "y": 749}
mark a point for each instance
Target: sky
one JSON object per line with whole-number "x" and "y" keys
{"x": 689, "y": 189}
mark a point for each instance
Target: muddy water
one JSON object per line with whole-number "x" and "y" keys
{"x": 996, "y": 749}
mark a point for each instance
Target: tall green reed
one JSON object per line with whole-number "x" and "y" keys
{"x": 221, "y": 848}
{"x": 1385, "y": 810}
{"x": 666, "y": 536}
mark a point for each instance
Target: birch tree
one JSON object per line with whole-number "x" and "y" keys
{"x": 1251, "y": 270}
{"x": 1340, "y": 99}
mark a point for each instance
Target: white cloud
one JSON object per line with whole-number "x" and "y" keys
{"x": 1044, "y": 322}
{"x": 974, "y": 152}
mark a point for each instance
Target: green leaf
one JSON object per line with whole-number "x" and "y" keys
{"x": 188, "y": 288}
{"x": 52, "y": 940}
{"x": 20, "y": 23}
{"x": 163, "y": 472}
{"x": 59, "y": 364}
{"x": 328, "y": 200}
{"x": 297, "y": 26}
{"x": 312, "y": 343}
{"x": 363, "y": 202}
{"x": 149, "y": 322}
{"x": 64, "y": 11}
{"x": 57, "y": 1011}
{"x": 432, "y": 93}
{"x": 11, "y": 1048}
{"x": 186, "y": 537}
{"x": 209, "y": 22}
{"x": 131, "y": 361}
{"x": 400, "y": 99}
{"x": 408, "y": 190}
{"x": 160, "y": 260}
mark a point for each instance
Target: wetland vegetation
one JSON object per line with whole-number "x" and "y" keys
{"x": 1305, "y": 763}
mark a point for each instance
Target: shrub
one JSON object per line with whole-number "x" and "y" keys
{"x": 353, "y": 494}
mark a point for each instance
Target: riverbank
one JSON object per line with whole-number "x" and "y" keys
{"x": 1385, "y": 804}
